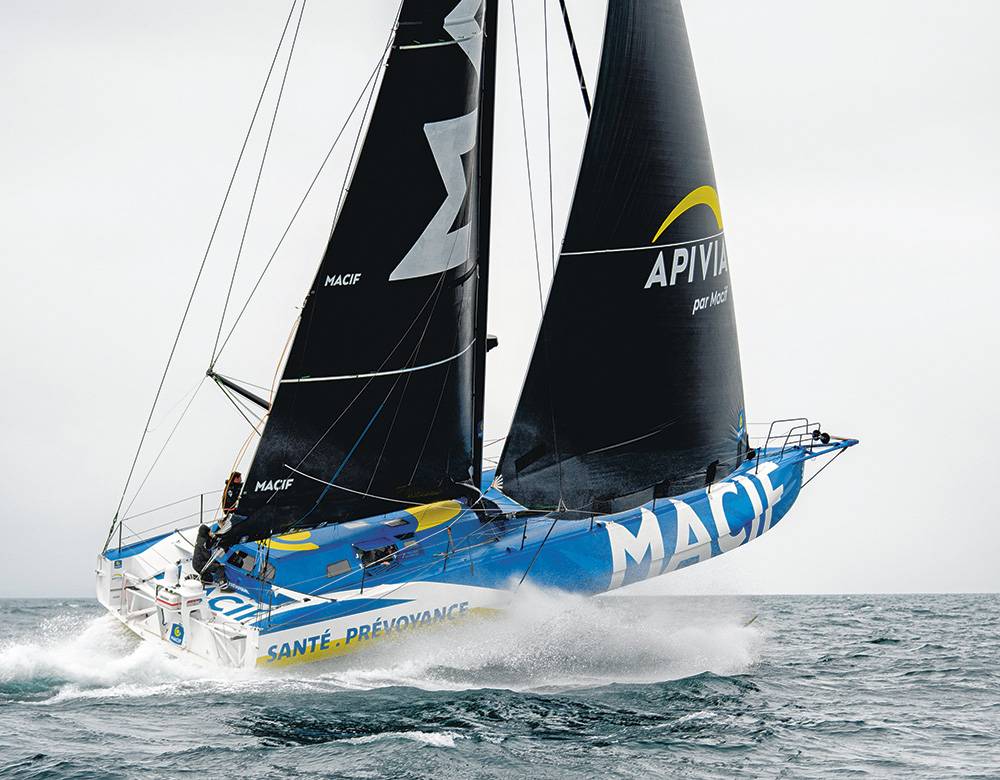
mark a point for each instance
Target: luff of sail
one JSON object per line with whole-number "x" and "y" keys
{"x": 373, "y": 412}
{"x": 634, "y": 388}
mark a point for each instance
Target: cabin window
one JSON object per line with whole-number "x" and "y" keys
{"x": 408, "y": 540}
{"x": 378, "y": 557}
{"x": 396, "y": 523}
{"x": 268, "y": 573}
{"x": 336, "y": 569}
{"x": 243, "y": 561}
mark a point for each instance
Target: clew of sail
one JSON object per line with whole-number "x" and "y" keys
{"x": 634, "y": 387}
{"x": 374, "y": 410}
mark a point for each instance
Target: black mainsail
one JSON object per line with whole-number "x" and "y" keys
{"x": 634, "y": 388}
{"x": 374, "y": 410}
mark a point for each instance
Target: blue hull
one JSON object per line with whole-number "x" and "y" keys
{"x": 332, "y": 590}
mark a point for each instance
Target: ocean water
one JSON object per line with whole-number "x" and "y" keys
{"x": 611, "y": 687}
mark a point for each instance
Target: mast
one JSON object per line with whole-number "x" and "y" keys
{"x": 487, "y": 110}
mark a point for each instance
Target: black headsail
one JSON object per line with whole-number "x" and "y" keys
{"x": 374, "y": 409}
{"x": 634, "y": 388}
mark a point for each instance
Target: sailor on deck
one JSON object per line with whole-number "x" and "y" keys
{"x": 205, "y": 563}
{"x": 234, "y": 485}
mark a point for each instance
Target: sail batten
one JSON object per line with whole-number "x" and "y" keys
{"x": 642, "y": 248}
{"x": 393, "y": 372}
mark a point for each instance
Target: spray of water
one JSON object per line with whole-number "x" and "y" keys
{"x": 76, "y": 655}
{"x": 546, "y": 641}
{"x": 553, "y": 641}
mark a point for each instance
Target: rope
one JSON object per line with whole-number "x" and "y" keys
{"x": 548, "y": 135}
{"x": 187, "y": 308}
{"x": 527, "y": 159}
{"x": 841, "y": 452}
{"x": 240, "y": 405}
{"x": 371, "y": 78}
{"x": 256, "y": 186}
{"x": 535, "y": 556}
{"x": 385, "y": 362}
{"x": 342, "y": 465}
{"x": 164, "y": 447}
{"x": 362, "y": 493}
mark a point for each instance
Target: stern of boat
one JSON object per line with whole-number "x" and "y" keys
{"x": 153, "y": 590}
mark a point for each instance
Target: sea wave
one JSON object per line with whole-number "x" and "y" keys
{"x": 548, "y": 641}
{"x": 554, "y": 641}
{"x": 617, "y": 686}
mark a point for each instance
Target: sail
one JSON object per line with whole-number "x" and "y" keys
{"x": 634, "y": 387}
{"x": 374, "y": 411}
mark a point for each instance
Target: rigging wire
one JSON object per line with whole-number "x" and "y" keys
{"x": 430, "y": 425}
{"x": 542, "y": 339}
{"x": 201, "y": 268}
{"x": 180, "y": 402}
{"x": 527, "y": 158}
{"x": 383, "y": 63}
{"x": 243, "y": 382}
{"x": 432, "y": 301}
{"x": 413, "y": 357}
{"x": 535, "y": 556}
{"x": 405, "y": 378}
{"x": 241, "y": 406}
{"x": 167, "y": 506}
{"x": 218, "y": 350}
{"x": 839, "y": 453}
{"x": 576, "y": 57}
{"x": 164, "y": 447}
{"x": 452, "y": 549}
{"x": 119, "y": 523}
{"x": 548, "y": 135}
{"x": 346, "y": 489}
{"x": 173, "y": 522}
{"x": 372, "y": 377}
{"x": 257, "y": 427}
{"x": 367, "y": 89}
{"x": 256, "y": 187}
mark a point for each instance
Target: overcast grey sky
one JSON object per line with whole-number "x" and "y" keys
{"x": 857, "y": 166}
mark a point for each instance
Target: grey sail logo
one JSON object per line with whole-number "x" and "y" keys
{"x": 700, "y": 261}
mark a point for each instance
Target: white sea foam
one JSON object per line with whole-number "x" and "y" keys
{"x": 547, "y": 640}
{"x": 78, "y": 656}
{"x": 551, "y": 640}
{"x": 434, "y": 739}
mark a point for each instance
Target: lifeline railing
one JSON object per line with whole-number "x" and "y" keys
{"x": 176, "y": 518}
{"x": 801, "y": 433}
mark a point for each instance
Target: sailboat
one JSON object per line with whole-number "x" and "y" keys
{"x": 367, "y": 514}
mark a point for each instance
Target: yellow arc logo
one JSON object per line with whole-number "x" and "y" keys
{"x": 293, "y": 541}
{"x": 704, "y": 195}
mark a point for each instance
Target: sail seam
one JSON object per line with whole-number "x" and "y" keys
{"x": 393, "y": 372}
{"x": 642, "y": 248}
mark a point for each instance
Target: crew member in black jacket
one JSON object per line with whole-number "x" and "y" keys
{"x": 203, "y": 562}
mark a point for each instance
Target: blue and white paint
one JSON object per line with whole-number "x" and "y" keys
{"x": 307, "y": 595}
